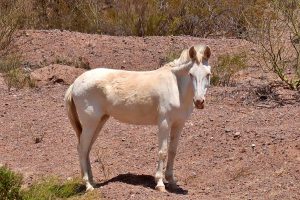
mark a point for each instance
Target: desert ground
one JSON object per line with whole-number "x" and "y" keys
{"x": 245, "y": 143}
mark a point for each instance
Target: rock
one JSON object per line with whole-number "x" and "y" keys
{"x": 236, "y": 135}
{"x": 253, "y": 146}
{"x": 227, "y": 130}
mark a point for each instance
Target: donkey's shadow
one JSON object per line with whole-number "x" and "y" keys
{"x": 146, "y": 181}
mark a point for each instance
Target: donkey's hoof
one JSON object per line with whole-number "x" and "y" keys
{"x": 160, "y": 188}
{"x": 173, "y": 186}
{"x": 89, "y": 188}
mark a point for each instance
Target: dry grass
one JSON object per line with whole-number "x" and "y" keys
{"x": 240, "y": 173}
{"x": 143, "y": 17}
{"x": 278, "y": 39}
{"x": 103, "y": 165}
{"x": 80, "y": 62}
{"x": 226, "y": 67}
{"x": 14, "y": 75}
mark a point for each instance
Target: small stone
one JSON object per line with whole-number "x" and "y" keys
{"x": 37, "y": 140}
{"x": 253, "y": 146}
{"x": 123, "y": 139}
{"x": 227, "y": 130}
{"x": 231, "y": 159}
{"x": 243, "y": 150}
{"x": 237, "y": 135}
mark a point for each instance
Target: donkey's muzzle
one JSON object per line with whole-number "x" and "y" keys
{"x": 199, "y": 104}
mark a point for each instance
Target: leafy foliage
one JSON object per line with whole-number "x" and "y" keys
{"x": 10, "y": 184}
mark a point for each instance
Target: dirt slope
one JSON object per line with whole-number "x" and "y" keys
{"x": 241, "y": 146}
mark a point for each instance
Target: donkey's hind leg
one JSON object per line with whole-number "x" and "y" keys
{"x": 87, "y": 138}
{"x": 99, "y": 127}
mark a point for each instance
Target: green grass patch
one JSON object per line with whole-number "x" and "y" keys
{"x": 10, "y": 184}
{"x": 52, "y": 188}
{"x": 47, "y": 189}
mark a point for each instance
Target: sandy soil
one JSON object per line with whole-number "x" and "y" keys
{"x": 245, "y": 144}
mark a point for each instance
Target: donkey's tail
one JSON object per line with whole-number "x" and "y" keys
{"x": 72, "y": 113}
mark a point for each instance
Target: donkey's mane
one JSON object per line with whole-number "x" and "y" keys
{"x": 184, "y": 57}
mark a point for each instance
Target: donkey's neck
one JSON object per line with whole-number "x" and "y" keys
{"x": 185, "y": 87}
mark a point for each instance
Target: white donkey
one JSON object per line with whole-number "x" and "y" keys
{"x": 163, "y": 97}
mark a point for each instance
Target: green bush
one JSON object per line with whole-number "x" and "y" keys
{"x": 52, "y": 188}
{"x": 47, "y": 189}
{"x": 10, "y": 184}
{"x": 226, "y": 67}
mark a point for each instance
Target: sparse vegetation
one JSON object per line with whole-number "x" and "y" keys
{"x": 10, "y": 63}
{"x": 102, "y": 164}
{"x": 278, "y": 39}
{"x": 132, "y": 17}
{"x": 14, "y": 75}
{"x": 10, "y": 20}
{"x": 226, "y": 67}
{"x": 80, "y": 62}
{"x": 50, "y": 188}
{"x": 241, "y": 172}
{"x": 170, "y": 56}
{"x": 10, "y": 184}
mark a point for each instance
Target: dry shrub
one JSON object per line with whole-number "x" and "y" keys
{"x": 80, "y": 62}
{"x": 176, "y": 17}
{"x": 10, "y": 20}
{"x": 278, "y": 39}
{"x": 103, "y": 165}
{"x": 144, "y": 17}
{"x": 227, "y": 66}
{"x": 14, "y": 75}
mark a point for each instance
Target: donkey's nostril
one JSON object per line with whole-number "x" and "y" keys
{"x": 199, "y": 104}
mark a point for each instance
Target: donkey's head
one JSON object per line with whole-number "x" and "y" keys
{"x": 193, "y": 62}
{"x": 200, "y": 73}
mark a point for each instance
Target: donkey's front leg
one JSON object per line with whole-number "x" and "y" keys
{"x": 163, "y": 134}
{"x": 174, "y": 138}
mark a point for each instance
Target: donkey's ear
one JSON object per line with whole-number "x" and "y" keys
{"x": 207, "y": 52}
{"x": 192, "y": 53}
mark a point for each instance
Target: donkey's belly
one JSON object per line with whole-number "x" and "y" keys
{"x": 134, "y": 114}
